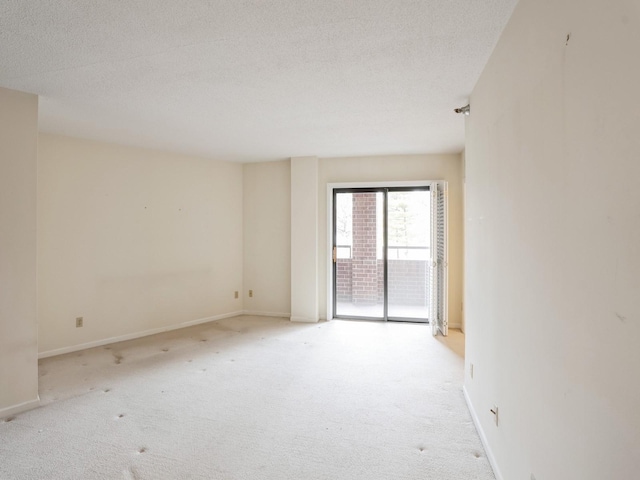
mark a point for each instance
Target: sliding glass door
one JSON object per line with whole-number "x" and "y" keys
{"x": 382, "y": 253}
{"x": 408, "y": 254}
{"x": 358, "y": 254}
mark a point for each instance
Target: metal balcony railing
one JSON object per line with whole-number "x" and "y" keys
{"x": 393, "y": 252}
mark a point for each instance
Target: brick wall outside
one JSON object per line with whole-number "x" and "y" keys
{"x": 364, "y": 264}
{"x": 380, "y": 281}
{"x": 343, "y": 280}
{"x": 408, "y": 282}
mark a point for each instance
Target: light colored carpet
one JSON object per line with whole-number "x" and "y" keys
{"x": 253, "y": 398}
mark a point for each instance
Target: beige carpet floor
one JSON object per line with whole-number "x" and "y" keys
{"x": 253, "y": 398}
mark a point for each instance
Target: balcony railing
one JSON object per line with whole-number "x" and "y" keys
{"x": 393, "y": 252}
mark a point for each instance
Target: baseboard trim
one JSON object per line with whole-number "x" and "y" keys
{"x": 304, "y": 320}
{"x": 483, "y": 437}
{"x": 266, "y": 314}
{"x": 21, "y": 407}
{"x": 132, "y": 336}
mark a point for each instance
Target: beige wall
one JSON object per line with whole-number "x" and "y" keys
{"x": 133, "y": 240}
{"x": 553, "y": 242}
{"x": 396, "y": 169}
{"x": 267, "y": 238}
{"x": 304, "y": 239}
{"x": 136, "y": 240}
{"x": 18, "y": 323}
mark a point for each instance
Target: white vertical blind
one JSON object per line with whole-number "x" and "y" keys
{"x": 439, "y": 259}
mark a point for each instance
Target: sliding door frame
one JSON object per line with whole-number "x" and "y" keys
{"x": 361, "y": 186}
{"x": 333, "y": 243}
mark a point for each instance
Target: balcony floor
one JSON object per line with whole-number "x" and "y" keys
{"x": 348, "y": 309}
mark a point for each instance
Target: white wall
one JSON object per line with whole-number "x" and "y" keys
{"x": 304, "y": 239}
{"x": 133, "y": 240}
{"x": 18, "y": 323}
{"x": 267, "y": 237}
{"x": 391, "y": 169}
{"x": 553, "y": 242}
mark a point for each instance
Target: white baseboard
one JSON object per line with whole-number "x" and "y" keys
{"x": 22, "y": 407}
{"x": 304, "y": 320}
{"x": 131, "y": 336}
{"x": 483, "y": 437}
{"x": 267, "y": 314}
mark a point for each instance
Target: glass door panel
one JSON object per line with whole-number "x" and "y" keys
{"x": 408, "y": 254}
{"x": 358, "y": 254}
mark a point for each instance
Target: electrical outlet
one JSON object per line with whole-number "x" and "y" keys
{"x": 250, "y": 293}
{"x": 533, "y": 477}
{"x": 471, "y": 370}
{"x": 494, "y": 410}
{"x": 235, "y": 294}
{"x": 79, "y": 322}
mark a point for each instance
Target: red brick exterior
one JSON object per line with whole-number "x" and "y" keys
{"x": 408, "y": 282}
{"x": 343, "y": 280}
{"x": 364, "y": 264}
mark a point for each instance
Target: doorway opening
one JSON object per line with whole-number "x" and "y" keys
{"x": 389, "y": 254}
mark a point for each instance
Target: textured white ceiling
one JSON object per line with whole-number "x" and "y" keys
{"x": 249, "y": 80}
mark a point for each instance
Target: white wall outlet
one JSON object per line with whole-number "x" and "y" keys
{"x": 236, "y": 294}
{"x": 471, "y": 370}
{"x": 250, "y": 293}
{"x": 79, "y": 322}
